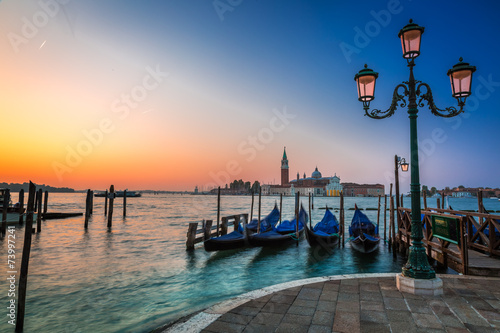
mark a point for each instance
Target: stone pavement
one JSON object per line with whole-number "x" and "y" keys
{"x": 360, "y": 304}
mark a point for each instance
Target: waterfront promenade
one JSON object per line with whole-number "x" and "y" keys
{"x": 355, "y": 303}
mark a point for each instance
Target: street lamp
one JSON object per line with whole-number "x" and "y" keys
{"x": 460, "y": 75}
{"x": 401, "y": 162}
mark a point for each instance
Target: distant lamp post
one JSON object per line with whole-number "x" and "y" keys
{"x": 460, "y": 75}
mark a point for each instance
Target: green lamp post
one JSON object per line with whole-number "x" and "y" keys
{"x": 460, "y": 75}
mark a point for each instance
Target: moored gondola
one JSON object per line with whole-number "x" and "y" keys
{"x": 237, "y": 239}
{"x": 325, "y": 233}
{"x": 284, "y": 233}
{"x": 363, "y": 233}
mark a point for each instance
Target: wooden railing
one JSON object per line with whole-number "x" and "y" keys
{"x": 485, "y": 237}
{"x": 196, "y": 235}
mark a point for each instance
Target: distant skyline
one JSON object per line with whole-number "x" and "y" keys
{"x": 169, "y": 95}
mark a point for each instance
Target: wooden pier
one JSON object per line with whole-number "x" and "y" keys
{"x": 468, "y": 242}
{"x": 206, "y": 230}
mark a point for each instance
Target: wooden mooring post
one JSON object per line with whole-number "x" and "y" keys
{"x": 91, "y": 202}
{"x": 297, "y": 204}
{"x": 281, "y": 204}
{"x": 191, "y": 234}
{"x": 218, "y": 211}
{"x": 124, "y": 203}
{"x": 251, "y": 209}
{"x": 39, "y": 215}
{"x": 425, "y": 199}
{"x": 111, "y": 201}
{"x": 45, "y": 202}
{"x": 392, "y": 237}
{"x": 23, "y": 276}
{"x": 378, "y": 212}
{"x": 21, "y": 207}
{"x": 258, "y": 221}
{"x": 341, "y": 213}
{"x": 87, "y": 209}
{"x": 385, "y": 214}
{"x": 106, "y": 202}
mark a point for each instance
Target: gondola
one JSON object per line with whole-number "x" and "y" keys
{"x": 236, "y": 239}
{"x": 282, "y": 234}
{"x": 363, "y": 233}
{"x": 325, "y": 233}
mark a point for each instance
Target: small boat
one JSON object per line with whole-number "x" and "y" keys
{"x": 325, "y": 233}
{"x": 237, "y": 239}
{"x": 363, "y": 233}
{"x": 10, "y": 208}
{"x": 119, "y": 194}
{"x": 282, "y": 234}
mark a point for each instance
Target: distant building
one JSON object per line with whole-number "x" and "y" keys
{"x": 315, "y": 185}
{"x": 363, "y": 190}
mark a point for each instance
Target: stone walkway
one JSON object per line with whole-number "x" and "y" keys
{"x": 354, "y": 304}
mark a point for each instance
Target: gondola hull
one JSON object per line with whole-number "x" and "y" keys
{"x": 364, "y": 245}
{"x": 273, "y": 238}
{"x": 231, "y": 241}
{"x": 319, "y": 240}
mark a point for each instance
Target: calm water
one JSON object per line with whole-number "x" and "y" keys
{"x": 139, "y": 276}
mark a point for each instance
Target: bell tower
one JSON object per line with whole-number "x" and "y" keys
{"x": 284, "y": 169}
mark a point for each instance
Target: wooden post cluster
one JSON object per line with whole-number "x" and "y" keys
{"x": 23, "y": 276}
{"x": 111, "y": 201}
{"x": 39, "y": 213}
{"x": 6, "y": 197}
{"x": 21, "y": 206}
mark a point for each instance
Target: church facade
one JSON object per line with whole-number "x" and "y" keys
{"x": 316, "y": 184}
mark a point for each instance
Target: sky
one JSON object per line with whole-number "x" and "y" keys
{"x": 169, "y": 95}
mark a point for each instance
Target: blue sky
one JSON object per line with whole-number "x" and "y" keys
{"x": 232, "y": 67}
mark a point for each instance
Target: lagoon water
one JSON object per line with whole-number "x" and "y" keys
{"x": 139, "y": 276}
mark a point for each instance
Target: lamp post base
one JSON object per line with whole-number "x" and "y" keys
{"x": 430, "y": 287}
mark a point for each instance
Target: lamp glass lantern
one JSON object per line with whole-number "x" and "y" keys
{"x": 366, "y": 79}
{"x": 411, "y": 36}
{"x": 461, "y": 79}
{"x": 404, "y": 166}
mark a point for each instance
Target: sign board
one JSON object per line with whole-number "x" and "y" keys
{"x": 446, "y": 228}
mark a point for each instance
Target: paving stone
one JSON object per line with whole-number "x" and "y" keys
{"x": 275, "y": 307}
{"x": 478, "y": 303}
{"x": 348, "y": 297}
{"x": 349, "y": 306}
{"x": 255, "y": 328}
{"x": 305, "y": 302}
{"x": 349, "y": 282}
{"x": 468, "y": 316}
{"x": 221, "y": 326}
{"x": 349, "y": 288}
{"x": 289, "y": 292}
{"x": 346, "y": 322}
{"x": 456, "y": 330}
{"x": 309, "y": 294}
{"x": 371, "y": 296}
{"x": 426, "y": 321}
{"x": 318, "y": 285}
{"x": 371, "y": 306}
{"x": 450, "y": 321}
{"x": 301, "y": 310}
{"x": 373, "y": 316}
{"x": 292, "y": 328}
{"x": 255, "y": 304}
{"x": 323, "y": 318}
{"x": 369, "y": 287}
{"x": 297, "y": 319}
{"x": 326, "y": 306}
{"x": 331, "y": 286}
{"x": 494, "y": 303}
{"x": 391, "y": 293}
{"x": 403, "y": 326}
{"x": 418, "y": 306}
{"x": 395, "y": 316}
{"x": 268, "y": 319}
{"x": 398, "y": 304}
{"x": 489, "y": 315}
{"x": 439, "y": 307}
{"x": 328, "y": 296}
{"x": 319, "y": 329}
{"x": 480, "y": 329}
{"x": 235, "y": 318}
{"x": 245, "y": 310}
{"x": 282, "y": 299}
{"x": 371, "y": 327}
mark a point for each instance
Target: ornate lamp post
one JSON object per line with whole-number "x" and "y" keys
{"x": 460, "y": 75}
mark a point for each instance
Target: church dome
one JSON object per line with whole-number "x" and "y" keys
{"x": 316, "y": 173}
